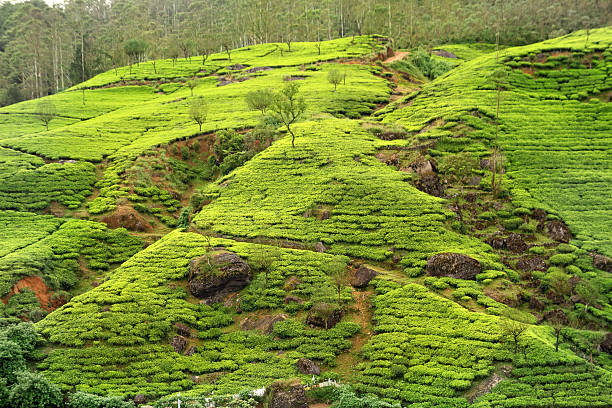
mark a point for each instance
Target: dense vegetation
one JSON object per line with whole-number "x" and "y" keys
{"x": 304, "y": 166}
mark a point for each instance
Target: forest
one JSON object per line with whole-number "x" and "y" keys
{"x": 46, "y": 49}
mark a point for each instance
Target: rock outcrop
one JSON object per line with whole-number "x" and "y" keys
{"x": 264, "y": 324}
{"x": 283, "y": 394}
{"x": 602, "y": 262}
{"x": 362, "y": 276}
{"x": 324, "y": 315}
{"x": 214, "y": 276}
{"x": 306, "y": 366}
{"x": 558, "y": 231}
{"x": 453, "y": 265}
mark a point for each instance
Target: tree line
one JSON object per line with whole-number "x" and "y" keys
{"x": 45, "y": 49}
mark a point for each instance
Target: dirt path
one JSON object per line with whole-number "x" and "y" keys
{"x": 396, "y": 57}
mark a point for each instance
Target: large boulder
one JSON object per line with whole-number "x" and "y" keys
{"x": 362, "y": 276}
{"x": 453, "y": 265}
{"x": 216, "y": 275}
{"x": 513, "y": 242}
{"x": 558, "y": 231}
{"x": 285, "y": 394}
{"x": 324, "y": 315}
{"x": 264, "y": 324}
{"x": 531, "y": 263}
{"x": 306, "y": 366}
{"x": 139, "y": 399}
{"x": 602, "y": 262}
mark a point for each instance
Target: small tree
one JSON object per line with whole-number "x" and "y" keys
{"x": 512, "y": 329}
{"x": 334, "y": 77}
{"x": 588, "y": 293}
{"x": 337, "y": 271}
{"x": 135, "y": 49}
{"x": 198, "y": 110}
{"x": 191, "y": 84}
{"x": 318, "y": 45}
{"x": 46, "y": 111}
{"x": 260, "y": 100}
{"x": 288, "y": 107}
{"x": 499, "y": 80}
{"x": 262, "y": 259}
{"x": 558, "y": 320}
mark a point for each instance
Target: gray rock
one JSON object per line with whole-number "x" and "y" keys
{"x": 558, "y": 231}
{"x": 324, "y": 315}
{"x": 139, "y": 399}
{"x": 306, "y": 366}
{"x": 264, "y": 324}
{"x": 286, "y": 395}
{"x": 178, "y": 343}
{"x": 602, "y": 262}
{"x": 319, "y": 247}
{"x": 227, "y": 273}
{"x": 453, "y": 265}
{"x": 362, "y": 276}
{"x": 182, "y": 330}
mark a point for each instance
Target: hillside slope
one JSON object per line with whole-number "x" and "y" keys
{"x": 374, "y": 187}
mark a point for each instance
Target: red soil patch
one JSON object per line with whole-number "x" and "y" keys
{"x": 528, "y": 70}
{"x": 40, "y": 289}
{"x": 398, "y": 56}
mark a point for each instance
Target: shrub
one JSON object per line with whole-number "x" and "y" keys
{"x": 34, "y": 391}
{"x": 85, "y": 400}
{"x": 538, "y": 250}
{"x": 566, "y": 248}
{"x": 11, "y": 360}
{"x": 512, "y": 223}
{"x": 562, "y": 259}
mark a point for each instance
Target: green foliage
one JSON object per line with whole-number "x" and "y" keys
{"x": 260, "y": 99}
{"x": 11, "y": 360}
{"x": 573, "y": 186}
{"x": 34, "y": 391}
{"x": 85, "y": 400}
{"x": 428, "y": 66}
{"x": 198, "y": 110}
{"x": 288, "y": 107}
{"x": 345, "y": 397}
{"x": 334, "y": 77}
{"x": 55, "y": 256}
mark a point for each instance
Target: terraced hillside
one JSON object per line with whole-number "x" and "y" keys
{"x": 158, "y": 258}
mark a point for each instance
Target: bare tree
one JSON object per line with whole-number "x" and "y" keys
{"x": 337, "y": 271}
{"x": 513, "y": 329}
{"x": 334, "y": 77}
{"x": 192, "y": 83}
{"x": 46, "y": 111}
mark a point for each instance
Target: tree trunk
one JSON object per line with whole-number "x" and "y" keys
{"x": 82, "y": 57}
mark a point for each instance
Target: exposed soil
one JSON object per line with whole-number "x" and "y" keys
{"x": 40, "y": 289}
{"x": 398, "y": 56}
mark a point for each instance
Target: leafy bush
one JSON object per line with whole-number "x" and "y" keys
{"x": 34, "y": 391}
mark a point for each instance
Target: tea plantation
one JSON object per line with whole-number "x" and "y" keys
{"x": 413, "y": 243}
{"x": 555, "y": 124}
